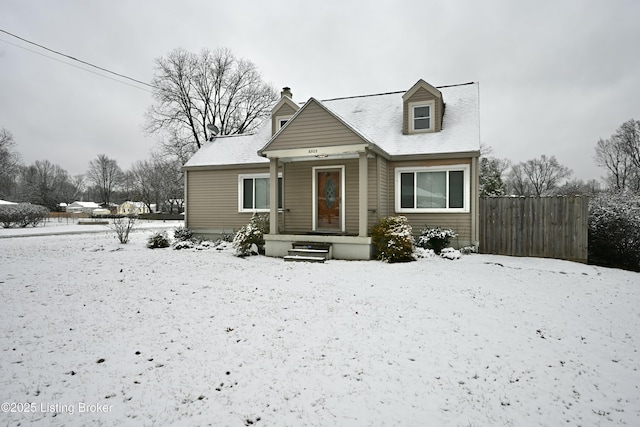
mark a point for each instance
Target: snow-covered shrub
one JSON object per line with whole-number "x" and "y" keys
{"x": 419, "y": 252}
{"x": 122, "y": 226}
{"x": 249, "y": 240}
{"x": 9, "y": 215}
{"x": 614, "y": 230}
{"x": 450, "y": 253}
{"x": 35, "y": 214}
{"x": 159, "y": 239}
{"x": 466, "y": 250}
{"x": 201, "y": 245}
{"x": 228, "y": 237}
{"x": 393, "y": 240}
{"x": 182, "y": 234}
{"x": 22, "y": 215}
{"x": 435, "y": 238}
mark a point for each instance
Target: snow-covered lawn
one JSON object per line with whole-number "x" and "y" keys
{"x": 189, "y": 337}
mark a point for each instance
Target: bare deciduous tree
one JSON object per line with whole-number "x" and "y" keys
{"x": 578, "y": 187}
{"x": 629, "y": 135}
{"x": 537, "y": 177}
{"x": 9, "y": 164}
{"x": 517, "y": 182}
{"x": 145, "y": 179}
{"x": 620, "y": 156}
{"x": 72, "y": 190}
{"x": 43, "y": 183}
{"x": 213, "y": 88}
{"x": 106, "y": 175}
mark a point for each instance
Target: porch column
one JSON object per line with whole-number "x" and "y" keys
{"x": 363, "y": 193}
{"x": 273, "y": 196}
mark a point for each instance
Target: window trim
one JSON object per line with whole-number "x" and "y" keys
{"x": 466, "y": 197}
{"x": 241, "y": 178}
{"x": 432, "y": 111}
{"x": 279, "y": 119}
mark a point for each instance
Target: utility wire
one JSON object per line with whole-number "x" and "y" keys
{"x": 76, "y": 59}
{"x": 75, "y": 66}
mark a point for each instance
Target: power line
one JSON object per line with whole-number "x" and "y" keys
{"x": 75, "y": 66}
{"x": 76, "y": 59}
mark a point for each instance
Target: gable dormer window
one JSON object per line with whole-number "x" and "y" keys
{"x": 281, "y": 121}
{"x": 422, "y": 116}
{"x": 422, "y": 109}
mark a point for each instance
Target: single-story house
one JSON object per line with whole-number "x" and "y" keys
{"x": 326, "y": 171}
{"x": 132, "y": 208}
{"x": 82, "y": 207}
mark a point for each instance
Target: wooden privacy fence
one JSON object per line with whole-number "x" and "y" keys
{"x": 547, "y": 227}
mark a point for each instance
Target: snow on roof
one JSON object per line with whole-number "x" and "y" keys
{"x": 376, "y": 117}
{"x": 86, "y": 204}
{"x": 233, "y": 149}
{"x": 379, "y": 117}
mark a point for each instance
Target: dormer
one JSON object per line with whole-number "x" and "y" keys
{"x": 423, "y": 108}
{"x": 283, "y": 110}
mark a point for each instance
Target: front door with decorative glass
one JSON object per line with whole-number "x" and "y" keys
{"x": 328, "y": 199}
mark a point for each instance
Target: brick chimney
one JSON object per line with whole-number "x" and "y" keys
{"x": 286, "y": 91}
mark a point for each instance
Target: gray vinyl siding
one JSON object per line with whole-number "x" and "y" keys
{"x": 383, "y": 187}
{"x": 373, "y": 194}
{"x": 458, "y": 222}
{"x": 423, "y": 95}
{"x": 352, "y": 187}
{"x": 284, "y": 110}
{"x": 298, "y": 182}
{"x": 297, "y": 197}
{"x": 314, "y": 127}
{"x": 212, "y": 199}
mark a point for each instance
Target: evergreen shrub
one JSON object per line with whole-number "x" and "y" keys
{"x": 436, "y": 238}
{"x": 392, "y": 239}
{"x": 159, "y": 239}
{"x": 614, "y": 230}
{"x": 182, "y": 234}
{"x": 249, "y": 240}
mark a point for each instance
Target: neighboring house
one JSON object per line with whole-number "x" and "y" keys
{"x": 329, "y": 170}
{"x": 82, "y": 207}
{"x": 132, "y": 208}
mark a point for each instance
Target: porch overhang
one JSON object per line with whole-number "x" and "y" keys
{"x": 316, "y": 153}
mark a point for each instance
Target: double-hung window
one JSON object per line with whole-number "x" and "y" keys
{"x": 422, "y": 116}
{"x": 432, "y": 189}
{"x": 254, "y": 193}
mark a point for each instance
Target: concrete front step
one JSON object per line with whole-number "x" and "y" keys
{"x": 324, "y": 253}
{"x": 303, "y": 258}
{"x": 311, "y": 249}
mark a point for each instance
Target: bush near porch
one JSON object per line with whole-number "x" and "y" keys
{"x": 392, "y": 239}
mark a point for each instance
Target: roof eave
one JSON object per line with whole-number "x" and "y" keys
{"x": 223, "y": 167}
{"x": 432, "y": 156}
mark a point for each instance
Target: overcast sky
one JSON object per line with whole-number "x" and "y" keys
{"x": 555, "y": 76}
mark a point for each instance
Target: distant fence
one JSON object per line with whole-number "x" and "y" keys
{"x": 67, "y": 216}
{"x": 547, "y": 227}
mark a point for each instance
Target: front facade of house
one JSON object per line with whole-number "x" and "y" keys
{"x": 329, "y": 170}
{"x": 132, "y": 208}
{"x": 82, "y": 207}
